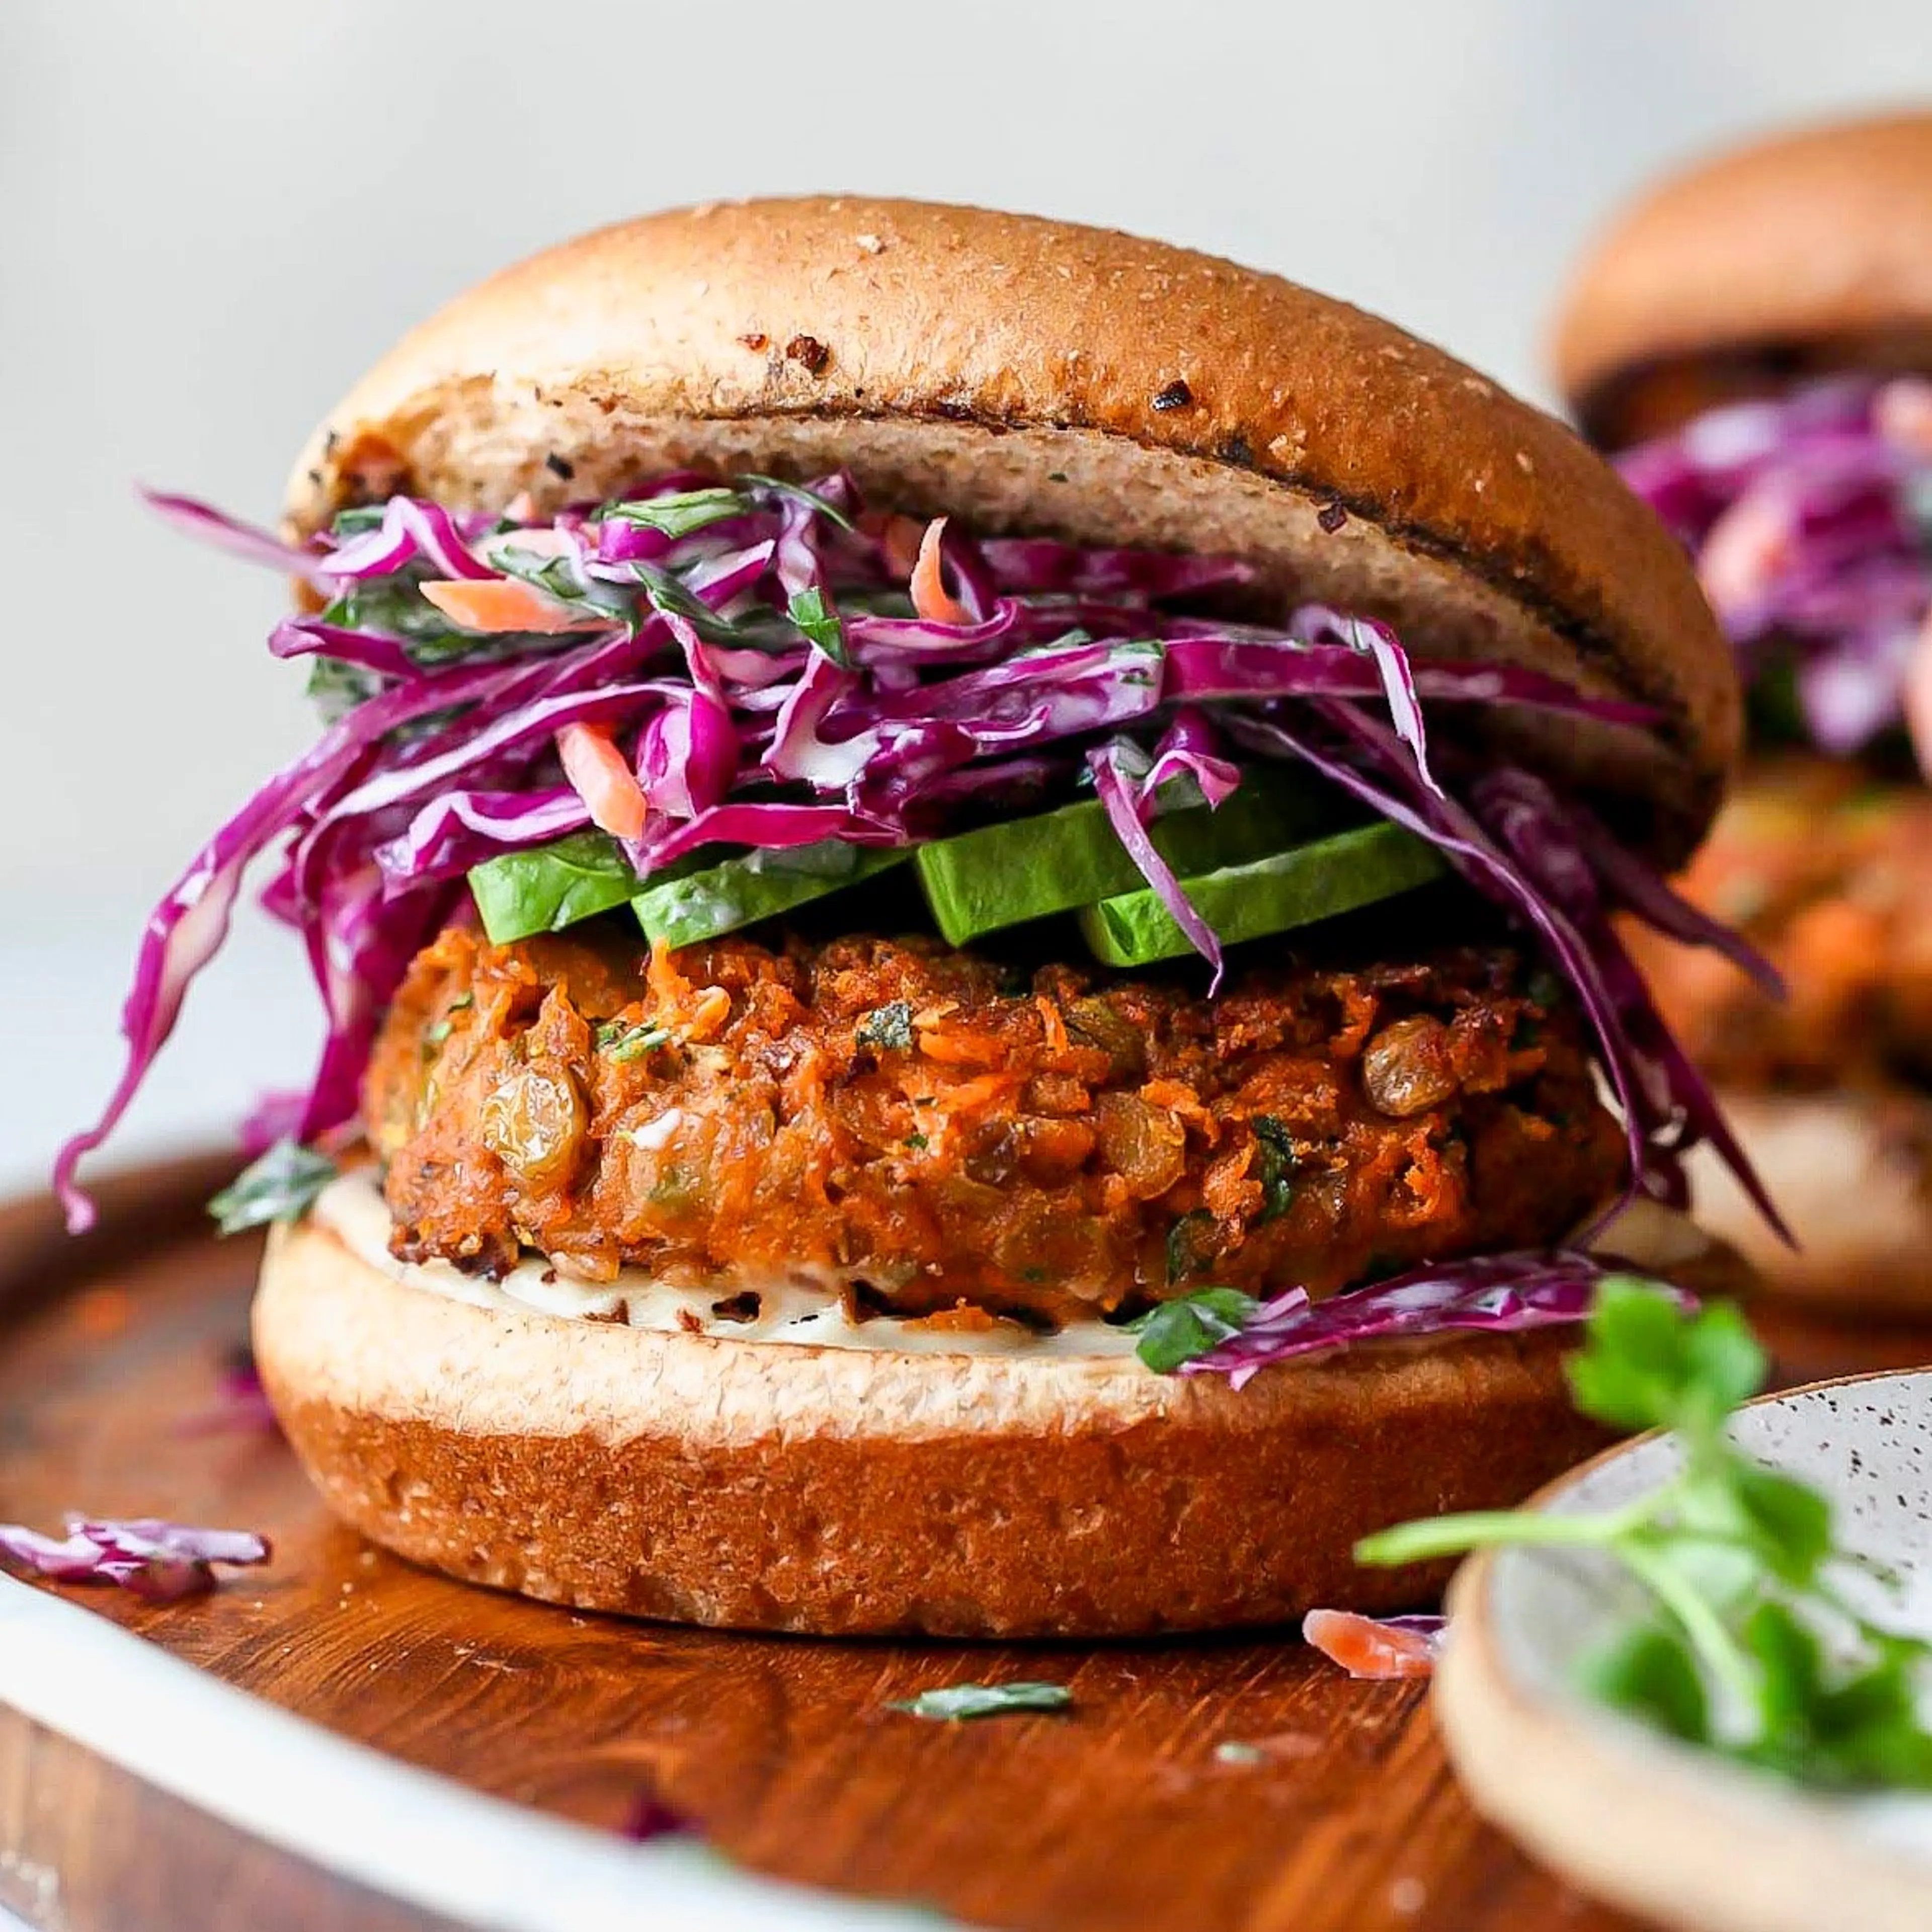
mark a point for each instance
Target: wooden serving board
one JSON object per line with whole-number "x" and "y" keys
{"x": 784, "y": 1751}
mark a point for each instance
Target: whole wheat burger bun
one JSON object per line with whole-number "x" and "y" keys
{"x": 1028, "y": 375}
{"x": 1808, "y": 252}
{"x": 842, "y": 1491}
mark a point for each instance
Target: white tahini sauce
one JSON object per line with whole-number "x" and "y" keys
{"x": 353, "y": 1209}
{"x": 1646, "y": 1234}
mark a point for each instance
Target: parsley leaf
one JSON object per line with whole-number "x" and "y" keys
{"x": 1738, "y": 1563}
{"x": 952, "y": 1701}
{"x": 888, "y": 1027}
{"x": 624, "y": 1043}
{"x": 680, "y": 513}
{"x": 819, "y": 505}
{"x": 281, "y": 1185}
{"x": 1276, "y": 1147}
{"x": 1174, "y": 1332}
{"x": 808, "y": 610}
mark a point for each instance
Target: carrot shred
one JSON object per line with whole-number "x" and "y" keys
{"x": 712, "y": 1009}
{"x": 930, "y": 597}
{"x": 1365, "y": 1648}
{"x": 968, "y": 1096}
{"x": 601, "y": 776}
{"x": 1056, "y": 1040}
{"x": 959, "y": 1047}
{"x": 490, "y": 603}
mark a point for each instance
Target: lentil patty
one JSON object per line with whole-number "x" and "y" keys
{"x": 1828, "y": 874}
{"x": 932, "y": 1131}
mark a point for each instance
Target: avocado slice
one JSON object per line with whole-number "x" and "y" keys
{"x": 708, "y": 902}
{"x": 1024, "y": 868}
{"x": 1297, "y": 887}
{"x": 550, "y": 886}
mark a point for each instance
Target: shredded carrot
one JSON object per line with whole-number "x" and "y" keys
{"x": 959, "y": 1047}
{"x": 930, "y": 597}
{"x": 1057, "y": 1041}
{"x": 1181, "y": 1099}
{"x": 667, "y": 985}
{"x": 504, "y": 604}
{"x": 898, "y": 537}
{"x": 712, "y": 1010}
{"x": 1918, "y": 695}
{"x": 601, "y": 776}
{"x": 969, "y": 1096}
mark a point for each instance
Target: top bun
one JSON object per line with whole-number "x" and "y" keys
{"x": 1816, "y": 246}
{"x": 1030, "y": 375}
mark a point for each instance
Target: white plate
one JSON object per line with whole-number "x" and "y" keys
{"x": 1679, "y": 1835}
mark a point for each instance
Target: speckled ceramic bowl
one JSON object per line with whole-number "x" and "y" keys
{"x": 1676, "y": 1835}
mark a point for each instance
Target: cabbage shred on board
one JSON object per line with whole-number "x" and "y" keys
{"x": 1811, "y": 519}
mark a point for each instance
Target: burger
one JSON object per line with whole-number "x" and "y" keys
{"x": 963, "y": 874}
{"x": 1753, "y": 341}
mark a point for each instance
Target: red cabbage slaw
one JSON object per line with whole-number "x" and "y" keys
{"x": 1499, "y": 1293}
{"x": 1811, "y": 519}
{"x": 161, "y": 1561}
{"x": 752, "y": 651}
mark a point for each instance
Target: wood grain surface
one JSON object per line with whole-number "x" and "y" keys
{"x": 786, "y": 1752}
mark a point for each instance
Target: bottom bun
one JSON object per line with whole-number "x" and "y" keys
{"x": 1851, "y": 1173}
{"x": 778, "y": 1485}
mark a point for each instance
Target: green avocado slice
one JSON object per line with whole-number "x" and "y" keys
{"x": 1024, "y": 869}
{"x": 550, "y": 886}
{"x": 717, "y": 899}
{"x": 1297, "y": 887}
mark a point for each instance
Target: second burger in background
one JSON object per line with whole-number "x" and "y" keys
{"x": 1753, "y": 342}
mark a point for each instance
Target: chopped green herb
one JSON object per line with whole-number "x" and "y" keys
{"x": 888, "y": 1026}
{"x": 1174, "y": 1332}
{"x": 822, "y": 506}
{"x": 357, "y": 519}
{"x": 335, "y": 688}
{"x": 562, "y": 577}
{"x": 807, "y": 609}
{"x": 917, "y": 1142}
{"x": 1189, "y": 1246}
{"x": 1278, "y": 1163}
{"x": 624, "y": 1043}
{"x": 436, "y": 1034}
{"x": 462, "y": 1001}
{"x": 668, "y": 595}
{"x": 953, "y": 1702}
{"x": 682, "y": 512}
{"x": 281, "y": 1185}
{"x": 1238, "y": 1750}
{"x": 1739, "y": 1563}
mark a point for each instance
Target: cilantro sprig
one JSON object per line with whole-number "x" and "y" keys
{"x": 280, "y": 1185}
{"x": 1748, "y": 1644}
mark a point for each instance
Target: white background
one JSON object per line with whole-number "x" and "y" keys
{"x": 214, "y": 215}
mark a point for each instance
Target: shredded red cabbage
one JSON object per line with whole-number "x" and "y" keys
{"x": 1505, "y": 1294}
{"x": 240, "y": 1406}
{"x": 161, "y": 1561}
{"x": 1810, "y": 521}
{"x": 753, "y": 653}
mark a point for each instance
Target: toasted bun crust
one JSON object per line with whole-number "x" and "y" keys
{"x": 773, "y": 1485}
{"x": 1031, "y": 375}
{"x": 1824, "y": 236}
{"x": 1852, "y": 1174}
